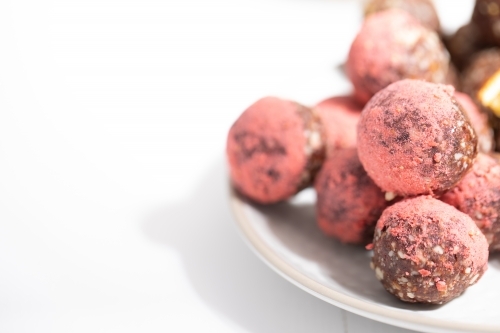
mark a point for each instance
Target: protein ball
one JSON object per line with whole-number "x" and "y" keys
{"x": 414, "y": 139}
{"x": 423, "y": 10}
{"x": 348, "y": 202}
{"x": 478, "y": 195}
{"x": 274, "y": 150}
{"x": 481, "y": 80}
{"x": 463, "y": 44}
{"x": 392, "y": 46}
{"x": 478, "y": 120}
{"x": 426, "y": 251}
{"x": 482, "y": 66}
{"x": 486, "y": 18}
{"x": 339, "y": 116}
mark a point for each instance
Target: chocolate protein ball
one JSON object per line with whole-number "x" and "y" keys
{"x": 414, "y": 139}
{"x": 486, "y": 17}
{"x": 348, "y": 202}
{"x": 339, "y": 116}
{"x": 423, "y": 10}
{"x": 463, "y": 44}
{"x": 478, "y": 120}
{"x": 478, "y": 195}
{"x": 392, "y": 46}
{"x": 426, "y": 251}
{"x": 481, "y": 80}
{"x": 482, "y": 66}
{"x": 274, "y": 150}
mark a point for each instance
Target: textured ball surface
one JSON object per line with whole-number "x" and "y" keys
{"x": 348, "y": 202}
{"x": 339, "y": 116}
{"x": 274, "y": 149}
{"x": 478, "y": 195}
{"x": 414, "y": 139}
{"x": 478, "y": 120}
{"x": 426, "y": 251}
{"x": 392, "y": 46}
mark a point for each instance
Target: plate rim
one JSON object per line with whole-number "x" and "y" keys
{"x": 360, "y": 307}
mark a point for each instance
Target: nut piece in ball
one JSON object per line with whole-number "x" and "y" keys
{"x": 274, "y": 150}
{"x": 426, "y": 251}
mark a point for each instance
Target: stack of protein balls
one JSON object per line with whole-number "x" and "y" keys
{"x": 406, "y": 164}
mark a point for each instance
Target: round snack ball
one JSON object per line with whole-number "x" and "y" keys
{"x": 348, "y": 202}
{"x": 478, "y": 195}
{"x": 414, "y": 139}
{"x": 392, "y": 46}
{"x": 463, "y": 44}
{"x": 486, "y": 17}
{"x": 423, "y": 10}
{"x": 339, "y": 116}
{"x": 426, "y": 251}
{"x": 480, "y": 69}
{"x": 274, "y": 150}
{"x": 478, "y": 120}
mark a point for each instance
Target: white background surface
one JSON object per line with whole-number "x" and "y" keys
{"x": 113, "y": 118}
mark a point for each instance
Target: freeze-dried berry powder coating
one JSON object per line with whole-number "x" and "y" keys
{"x": 392, "y": 46}
{"x": 478, "y": 195}
{"x": 414, "y": 139}
{"x": 348, "y": 202}
{"x": 339, "y": 116}
{"x": 426, "y": 251}
{"x": 274, "y": 149}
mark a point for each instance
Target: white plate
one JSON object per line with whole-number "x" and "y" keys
{"x": 285, "y": 236}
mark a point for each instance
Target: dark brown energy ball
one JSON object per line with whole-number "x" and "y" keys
{"x": 392, "y": 46}
{"x": 414, "y": 139}
{"x": 274, "y": 150}
{"x": 426, "y": 251}
{"x": 486, "y": 16}
{"x": 482, "y": 66}
{"x": 463, "y": 44}
{"x": 348, "y": 202}
{"x": 478, "y": 195}
{"x": 423, "y": 10}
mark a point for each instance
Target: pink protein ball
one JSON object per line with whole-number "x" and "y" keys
{"x": 478, "y": 195}
{"x": 391, "y": 46}
{"x": 274, "y": 149}
{"x": 414, "y": 139}
{"x": 426, "y": 251}
{"x": 340, "y": 117}
{"x": 478, "y": 120}
{"x": 348, "y": 202}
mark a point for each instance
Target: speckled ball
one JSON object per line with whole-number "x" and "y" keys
{"x": 414, "y": 139}
{"x": 478, "y": 195}
{"x": 391, "y": 46}
{"x": 274, "y": 150}
{"x": 348, "y": 202}
{"x": 426, "y": 251}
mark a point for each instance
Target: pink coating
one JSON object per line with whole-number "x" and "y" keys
{"x": 413, "y": 139}
{"x": 340, "y": 116}
{"x": 265, "y": 150}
